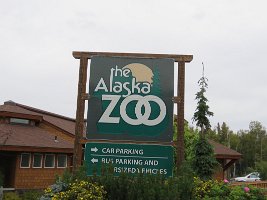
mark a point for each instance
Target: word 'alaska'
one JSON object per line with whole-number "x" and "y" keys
{"x": 126, "y": 87}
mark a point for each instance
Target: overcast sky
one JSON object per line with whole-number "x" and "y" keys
{"x": 230, "y": 36}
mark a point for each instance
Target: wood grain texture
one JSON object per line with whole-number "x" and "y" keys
{"x": 89, "y": 55}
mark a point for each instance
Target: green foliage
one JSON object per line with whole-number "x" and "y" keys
{"x": 215, "y": 190}
{"x": 224, "y": 134}
{"x": 190, "y": 138}
{"x": 31, "y": 195}
{"x": 212, "y": 134}
{"x": 68, "y": 178}
{"x": 253, "y": 146}
{"x": 202, "y": 188}
{"x": 81, "y": 190}
{"x": 239, "y": 193}
{"x": 11, "y": 196}
{"x": 261, "y": 167}
{"x": 185, "y": 186}
{"x": 58, "y": 187}
{"x": 202, "y": 110}
{"x": 138, "y": 187}
{"x": 204, "y": 161}
{"x": 185, "y": 181}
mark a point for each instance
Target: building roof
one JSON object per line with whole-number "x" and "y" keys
{"x": 64, "y": 123}
{"x": 222, "y": 151}
{"x": 30, "y": 136}
{"x": 21, "y": 137}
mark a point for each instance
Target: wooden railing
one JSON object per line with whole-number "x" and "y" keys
{"x": 258, "y": 184}
{"x": 4, "y": 189}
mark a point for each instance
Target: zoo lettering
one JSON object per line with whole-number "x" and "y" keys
{"x": 142, "y": 101}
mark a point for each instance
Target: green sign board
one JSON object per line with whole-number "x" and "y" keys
{"x": 130, "y": 99}
{"x": 129, "y": 158}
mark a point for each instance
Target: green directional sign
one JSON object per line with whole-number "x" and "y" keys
{"x": 129, "y": 158}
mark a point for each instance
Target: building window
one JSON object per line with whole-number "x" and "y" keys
{"x": 37, "y": 160}
{"x": 25, "y": 160}
{"x": 19, "y": 121}
{"x": 49, "y": 161}
{"x": 61, "y": 161}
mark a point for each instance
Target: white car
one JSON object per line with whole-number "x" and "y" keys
{"x": 254, "y": 176}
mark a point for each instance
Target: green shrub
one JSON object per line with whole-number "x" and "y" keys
{"x": 204, "y": 161}
{"x": 202, "y": 188}
{"x": 185, "y": 181}
{"x": 69, "y": 177}
{"x": 261, "y": 167}
{"x": 185, "y": 186}
{"x": 11, "y": 196}
{"x": 128, "y": 186}
{"x": 138, "y": 187}
{"x": 215, "y": 190}
{"x": 59, "y": 186}
{"x": 31, "y": 195}
{"x": 239, "y": 193}
{"x": 80, "y": 190}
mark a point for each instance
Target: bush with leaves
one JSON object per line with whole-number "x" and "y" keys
{"x": 80, "y": 190}
{"x": 185, "y": 185}
{"x": 204, "y": 161}
{"x": 11, "y": 196}
{"x": 31, "y": 195}
{"x": 210, "y": 189}
{"x": 59, "y": 186}
{"x": 185, "y": 181}
{"x": 140, "y": 186}
{"x": 217, "y": 190}
{"x": 261, "y": 167}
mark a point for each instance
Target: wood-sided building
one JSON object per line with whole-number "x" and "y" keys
{"x": 226, "y": 157}
{"x": 35, "y": 146}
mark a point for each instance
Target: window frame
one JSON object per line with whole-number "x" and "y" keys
{"x": 51, "y": 154}
{"x": 29, "y": 163}
{"x": 19, "y": 121}
{"x": 41, "y": 160}
{"x": 66, "y": 159}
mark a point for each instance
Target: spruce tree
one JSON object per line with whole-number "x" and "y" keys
{"x": 204, "y": 161}
{"x": 202, "y": 111}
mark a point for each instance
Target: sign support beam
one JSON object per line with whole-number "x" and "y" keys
{"x": 180, "y": 114}
{"x": 79, "y": 125}
{"x": 177, "y": 58}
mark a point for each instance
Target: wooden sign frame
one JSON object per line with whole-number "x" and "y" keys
{"x": 82, "y": 96}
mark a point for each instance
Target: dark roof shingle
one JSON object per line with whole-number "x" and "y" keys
{"x": 65, "y": 123}
{"x": 30, "y": 136}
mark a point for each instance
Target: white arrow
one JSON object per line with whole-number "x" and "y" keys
{"x": 94, "y": 149}
{"x": 94, "y": 160}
